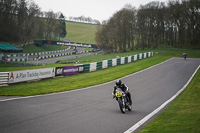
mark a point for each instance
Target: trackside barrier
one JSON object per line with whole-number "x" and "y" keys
{"x": 41, "y": 55}
{"x": 115, "y": 62}
{"x": 35, "y": 74}
{"x": 107, "y": 63}
{"x": 4, "y": 77}
{"x": 28, "y": 75}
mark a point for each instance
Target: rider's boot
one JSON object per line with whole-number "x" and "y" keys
{"x": 130, "y": 101}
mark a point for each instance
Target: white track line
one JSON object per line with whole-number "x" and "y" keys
{"x": 17, "y": 98}
{"x": 137, "y": 125}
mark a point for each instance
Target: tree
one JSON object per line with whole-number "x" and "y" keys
{"x": 62, "y": 26}
{"x": 176, "y": 24}
{"x": 118, "y": 31}
{"x": 51, "y": 22}
{"x": 22, "y": 21}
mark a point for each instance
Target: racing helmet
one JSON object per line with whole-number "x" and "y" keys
{"x": 118, "y": 82}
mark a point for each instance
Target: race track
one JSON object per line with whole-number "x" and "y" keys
{"x": 92, "y": 110}
{"x": 54, "y": 60}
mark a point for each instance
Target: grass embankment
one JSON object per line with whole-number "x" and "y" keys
{"x": 182, "y": 115}
{"x": 78, "y": 32}
{"x": 177, "y": 52}
{"x": 34, "y": 49}
{"x": 79, "y": 81}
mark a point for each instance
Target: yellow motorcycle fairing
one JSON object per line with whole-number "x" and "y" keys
{"x": 118, "y": 94}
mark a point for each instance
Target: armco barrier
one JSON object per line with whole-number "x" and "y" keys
{"x": 99, "y": 65}
{"x": 93, "y": 66}
{"x": 115, "y": 62}
{"x": 109, "y": 63}
{"x": 86, "y": 68}
{"x": 105, "y": 64}
{"x": 4, "y": 76}
{"x": 26, "y": 75}
{"x": 42, "y": 55}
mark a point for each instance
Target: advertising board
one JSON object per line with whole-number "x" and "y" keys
{"x": 26, "y": 75}
{"x": 69, "y": 70}
{"x": 59, "y": 71}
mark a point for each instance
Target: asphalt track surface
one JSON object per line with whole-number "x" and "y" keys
{"x": 54, "y": 60}
{"x": 92, "y": 110}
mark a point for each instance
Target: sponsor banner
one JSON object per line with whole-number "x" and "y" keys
{"x": 26, "y": 75}
{"x": 59, "y": 71}
{"x": 43, "y": 42}
{"x": 70, "y": 70}
{"x": 75, "y": 44}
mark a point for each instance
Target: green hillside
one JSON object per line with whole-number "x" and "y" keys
{"x": 81, "y": 32}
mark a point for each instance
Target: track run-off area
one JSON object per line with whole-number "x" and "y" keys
{"x": 92, "y": 109}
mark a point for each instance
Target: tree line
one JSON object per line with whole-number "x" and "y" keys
{"x": 84, "y": 19}
{"x": 22, "y": 21}
{"x": 175, "y": 23}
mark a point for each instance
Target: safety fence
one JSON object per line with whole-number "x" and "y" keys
{"x": 115, "y": 62}
{"x": 53, "y": 55}
{"x": 4, "y": 78}
{"x": 40, "y": 55}
{"x": 35, "y": 74}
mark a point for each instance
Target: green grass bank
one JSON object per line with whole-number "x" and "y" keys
{"x": 34, "y": 49}
{"x": 81, "y": 32}
{"x": 182, "y": 115}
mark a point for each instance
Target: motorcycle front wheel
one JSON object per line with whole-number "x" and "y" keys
{"x": 121, "y": 106}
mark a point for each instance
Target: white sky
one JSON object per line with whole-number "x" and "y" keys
{"x": 96, "y": 9}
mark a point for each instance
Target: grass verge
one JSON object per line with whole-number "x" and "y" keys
{"x": 182, "y": 115}
{"x": 79, "y": 81}
{"x": 80, "y": 32}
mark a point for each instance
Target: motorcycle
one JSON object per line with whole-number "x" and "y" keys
{"x": 123, "y": 100}
{"x": 185, "y": 55}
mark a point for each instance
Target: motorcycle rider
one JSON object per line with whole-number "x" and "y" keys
{"x": 124, "y": 88}
{"x": 185, "y": 55}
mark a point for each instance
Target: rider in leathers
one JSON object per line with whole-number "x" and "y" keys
{"x": 124, "y": 88}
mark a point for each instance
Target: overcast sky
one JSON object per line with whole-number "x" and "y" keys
{"x": 96, "y": 9}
